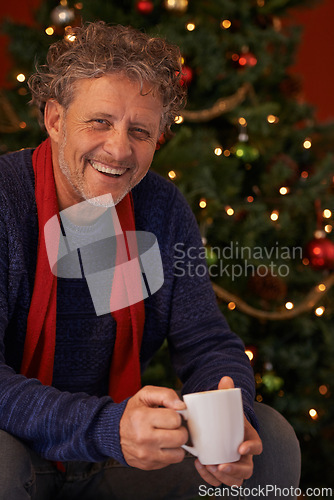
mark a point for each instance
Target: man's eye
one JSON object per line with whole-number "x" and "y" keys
{"x": 100, "y": 123}
{"x": 140, "y": 133}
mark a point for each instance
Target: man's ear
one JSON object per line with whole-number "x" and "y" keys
{"x": 53, "y": 115}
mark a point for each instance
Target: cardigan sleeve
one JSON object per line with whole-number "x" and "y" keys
{"x": 203, "y": 348}
{"x": 58, "y": 425}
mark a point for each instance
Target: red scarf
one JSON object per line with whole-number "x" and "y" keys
{"x": 39, "y": 348}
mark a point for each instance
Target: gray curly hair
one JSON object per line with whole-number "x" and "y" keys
{"x": 96, "y": 49}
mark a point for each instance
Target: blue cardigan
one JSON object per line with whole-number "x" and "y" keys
{"x": 75, "y": 419}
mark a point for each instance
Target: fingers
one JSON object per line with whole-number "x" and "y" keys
{"x": 226, "y": 383}
{"x": 252, "y": 444}
{"x": 151, "y": 437}
{"x": 232, "y": 474}
{"x": 160, "y": 396}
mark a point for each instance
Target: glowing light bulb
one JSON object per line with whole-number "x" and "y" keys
{"x": 226, "y": 24}
{"x": 178, "y": 119}
{"x": 49, "y": 31}
{"x": 70, "y": 37}
{"x": 229, "y": 211}
{"x": 250, "y": 354}
{"x": 313, "y": 414}
{"x": 274, "y": 215}
{"x": 190, "y": 26}
{"x": 321, "y": 287}
{"x": 319, "y": 311}
{"x": 328, "y": 228}
{"x": 327, "y": 214}
{"x": 242, "y": 121}
{"x": 283, "y": 190}
{"x": 218, "y": 151}
{"x": 307, "y": 143}
{"x": 323, "y": 389}
{"x": 231, "y": 306}
{"x": 20, "y": 77}
{"x": 272, "y": 119}
{"x": 172, "y": 174}
{"x": 289, "y": 305}
{"x": 227, "y": 153}
{"x": 202, "y": 203}
{"x": 250, "y": 199}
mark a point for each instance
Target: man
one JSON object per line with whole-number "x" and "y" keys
{"x": 75, "y": 422}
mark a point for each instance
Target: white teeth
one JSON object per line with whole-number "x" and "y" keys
{"x": 108, "y": 170}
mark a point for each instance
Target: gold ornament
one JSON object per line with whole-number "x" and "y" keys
{"x": 177, "y": 6}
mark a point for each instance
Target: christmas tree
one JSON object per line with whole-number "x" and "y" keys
{"x": 257, "y": 170}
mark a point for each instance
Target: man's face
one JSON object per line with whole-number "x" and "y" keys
{"x": 105, "y": 141}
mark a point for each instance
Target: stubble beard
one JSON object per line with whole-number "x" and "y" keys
{"x": 105, "y": 200}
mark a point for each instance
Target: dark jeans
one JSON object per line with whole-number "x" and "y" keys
{"x": 24, "y": 475}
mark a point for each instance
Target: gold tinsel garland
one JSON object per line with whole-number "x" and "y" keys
{"x": 311, "y": 299}
{"x": 221, "y": 106}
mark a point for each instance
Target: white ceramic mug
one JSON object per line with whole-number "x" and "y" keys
{"x": 216, "y": 425}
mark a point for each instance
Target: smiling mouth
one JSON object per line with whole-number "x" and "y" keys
{"x": 110, "y": 171}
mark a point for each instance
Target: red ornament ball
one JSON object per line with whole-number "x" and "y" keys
{"x": 247, "y": 59}
{"x": 145, "y": 7}
{"x": 186, "y": 75}
{"x": 320, "y": 253}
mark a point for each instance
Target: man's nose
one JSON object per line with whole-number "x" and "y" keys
{"x": 117, "y": 145}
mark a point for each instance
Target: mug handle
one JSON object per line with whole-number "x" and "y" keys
{"x": 191, "y": 449}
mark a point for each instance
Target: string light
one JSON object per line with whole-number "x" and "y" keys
{"x": 289, "y": 306}
{"x": 218, "y": 151}
{"x": 307, "y": 143}
{"x": 227, "y": 153}
{"x": 304, "y": 174}
{"x": 226, "y": 24}
{"x": 321, "y": 287}
{"x": 250, "y": 199}
{"x": 229, "y": 211}
{"x": 284, "y": 190}
{"x": 313, "y": 414}
{"x": 202, "y": 203}
{"x": 319, "y": 311}
{"x": 20, "y": 77}
{"x": 49, "y": 31}
{"x": 190, "y": 26}
{"x": 242, "y": 121}
{"x": 231, "y": 306}
{"x": 274, "y": 215}
{"x": 327, "y": 214}
{"x": 172, "y": 174}
{"x": 22, "y": 125}
{"x": 178, "y": 119}
{"x": 272, "y": 119}
{"x": 70, "y": 37}
{"x": 328, "y": 228}
{"x": 323, "y": 389}
{"x": 250, "y": 354}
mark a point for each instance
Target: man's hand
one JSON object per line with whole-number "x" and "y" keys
{"x": 151, "y": 437}
{"x": 233, "y": 474}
